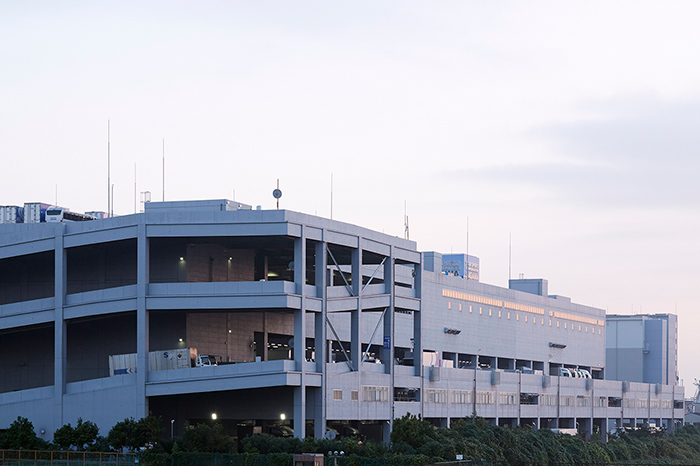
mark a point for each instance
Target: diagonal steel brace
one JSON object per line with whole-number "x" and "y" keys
{"x": 364, "y": 356}
{"x": 347, "y": 285}
{"x": 373, "y": 274}
{"x": 347, "y": 357}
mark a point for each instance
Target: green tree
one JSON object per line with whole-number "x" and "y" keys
{"x": 205, "y": 438}
{"x": 133, "y": 435}
{"x": 81, "y": 437}
{"x": 410, "y": 433}
{"x": 21, "y": 436}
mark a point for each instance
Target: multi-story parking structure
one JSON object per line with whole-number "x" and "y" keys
{"x": 316, "y": 324}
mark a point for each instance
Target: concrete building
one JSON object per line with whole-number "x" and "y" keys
{"x": 322, "y": 324}
{"x": 642, "y": 348}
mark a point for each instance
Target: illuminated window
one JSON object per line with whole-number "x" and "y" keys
{"x": 470, "y": 308}
{"x": 586, "y": 328}
{"x": 480, "y": 310}
{"x": 557, "y": 324}
{"x": 449, "y": 304}
{"x": 435, "y": 395}
{"x": 542, "y": 321}
{"x": 579, "y": 328}
{"x": 499, "y": 313}
{"x": 460, "y": 307}
{"x": 517, "y": 316}
{"x": 526, "y": 319}
{"x": 489, "y": 312}
{"x": 509, "y": 316}
{"x": 564, "y": 325}
{"x": 550, "y": 322}
{"x": 372, "y": 393}
{"x": 461, "y": 396}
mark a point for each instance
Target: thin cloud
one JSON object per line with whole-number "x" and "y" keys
{"x": 630, "y": 153}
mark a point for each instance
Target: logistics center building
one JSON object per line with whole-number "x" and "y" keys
{"x": 314, "y": 323}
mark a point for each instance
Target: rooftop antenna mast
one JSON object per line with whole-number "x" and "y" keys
{"x": 109, "y": 179}
{"x": 277, "y": 193}
{"x": 405, "y": 221}
{"x": 331, "y": 195}
{"x": 466, "y": 271}
{"x": 510, "y": 255}
{"x": 163, "y": 169}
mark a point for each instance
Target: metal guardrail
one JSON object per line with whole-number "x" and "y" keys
{"x": 65, "y": 458}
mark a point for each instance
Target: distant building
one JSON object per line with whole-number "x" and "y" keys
{"x": 461, "y": 265}
{"x": 277, "y": 321}
{"x": 642, "y": 348}
{"x": 538, "y": 286}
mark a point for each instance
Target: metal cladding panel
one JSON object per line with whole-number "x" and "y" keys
{"x": 22, "y": 320}
{"x": 314, "y": 304}
{"x": 376, "y": 302}
{"x": 38, "y": 407}
{"x": 224, "y": 302}
{"x": 216, "y": 384}
{"x": 100, "y": 236}
{"x": 223, "y": 229}
{"x": 376, "y": 247}
{"x": 339, "y": 305}
{"x": 407, "y": 255}
{"x": 103, "y": 295}
{"x": 27, "y": 247}
{"x": 105, "y": 407}
{"x": 102, "y": 308}
{"x": 343, "y": 239}
{"x": 411, "y": 304}
{"x": 27, "y": 307}
{"x": 313, "y": 233}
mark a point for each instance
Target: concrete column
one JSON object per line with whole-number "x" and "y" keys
{"x": 60, "y": 340}
{"x": 265, "y": 337}
{"x": 142, "y": 333}
{"x": 387, "y": 354}
{"x": 320, "y": 329}
{"x": 417, "y": 325}
{"x": 300, "y": 335}
{"x": 356, "y": 315}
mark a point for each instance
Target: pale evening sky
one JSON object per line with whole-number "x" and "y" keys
{"x": 570, "y": 126}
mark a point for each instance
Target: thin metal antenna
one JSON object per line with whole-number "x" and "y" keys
{"x": 405, "y": 221}
{"x": 163, "y": 169}
{"x": 278, "y": 199}
{"x": 109, "y": 168}
{"x": 111, "y": 214}
{"x": 510, "y": 254}
{"x": 331, "y": 195}
{"x": 466, "y": 272}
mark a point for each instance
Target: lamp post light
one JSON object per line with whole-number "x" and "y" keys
{"x": 172, "y": 426}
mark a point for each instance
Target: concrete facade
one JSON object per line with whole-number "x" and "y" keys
{"x": 326, "y": 323}
{"x": 642, "y": 348}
